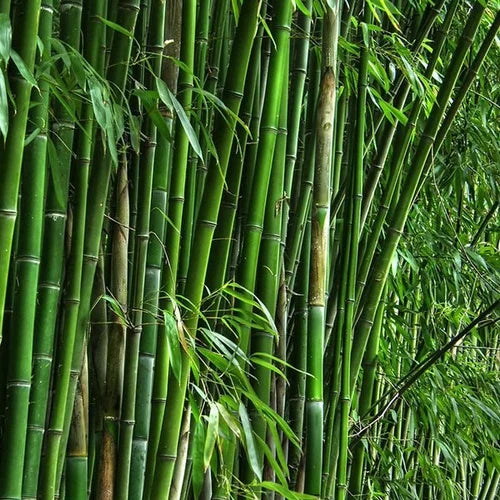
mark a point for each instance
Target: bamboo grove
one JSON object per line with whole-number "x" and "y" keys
{"x": 249, "y": 249}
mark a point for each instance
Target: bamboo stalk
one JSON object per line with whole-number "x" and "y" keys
{"x": 133, "y": 435}
{"x": 24, "y": 42}
{"x": 320, "y": 226}
{"x": 381, "y": 266}
{"x": 203, "y": 236}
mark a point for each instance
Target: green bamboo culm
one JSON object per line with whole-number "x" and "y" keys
{"x": 355, "y": 205}
{"x": 51, "y": 270}
{"x": 11, "y": 152}
{"x": 27, "y": 262}
{"x": 98, "y": 190}
{"x": 209, "y": 209}
{"x": 133, "y": 439}
{"x": 268, "y": 278}
{"x": 373, "y": 289}
{"x": 39, "y": 388}
{"x": 320, "y": 228}
{"x": 247, "y": 270}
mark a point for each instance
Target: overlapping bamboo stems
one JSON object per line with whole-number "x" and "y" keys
{"x": 298, "y": 358}
{"x": 83, "y": 144}
{"x": 226, "y": 235}
{"x": 173, "y": 21}
{"x": 209, "y": 208}
{"x": 194, "y": 190}
{"x": 24, "y": 42}
{"x": 63, "y": 148}
{"x": 212, "y": 59}
{"x": 365, "y": 401}
{"x": 61, "y": 412}
{"x": 320, "y": 228}
{"x": 181, "y": 151}
{"x": 97, "y": 195}
{"x": 133, "y": 435}
{"x": 247, "y": 269}
{"x": 253, "y": 147}
{"x": 239, "y": 161}
{"x": 354, "y": 221}
{"x": 268, "y": 276}
{"x": 402, "y": 143}
{"x": 49, "y": 289}
{"x": 403, "y": 88}
{"x": 302, "y": 181}
{"x": 300, "y": 51}
{"x": 165, "y": 461}
{"x": 458, "y": 99}
{"x": 252, "y": 234}
{"x": 116, "y": 337}
{"x": 152, "y": 319}
{"x": 76, "y": 467}
{"x": 373, "y": 290}
{"x": 17, "y": 366}
{"x": 97, "y": 353}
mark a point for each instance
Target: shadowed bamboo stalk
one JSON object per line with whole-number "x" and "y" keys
{"x": 133, "y": 435}
{"x": 355, "y": 206}
{"x": 116, "y": 338}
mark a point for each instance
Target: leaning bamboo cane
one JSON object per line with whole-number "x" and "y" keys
{"x": 99, "y": 182}
{"x": 374, "y": 287}
{"x": 204, "y": 232}
{"x": 270, "y": 264}
{"x": 356, "y": 191}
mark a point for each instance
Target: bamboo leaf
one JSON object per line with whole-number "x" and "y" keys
{"x": 300, "y": 5}
{"x": 197, "y": 454}
{"x": 211, "y": 437}
{"x": 135, "y": 132}
{"x": 110, "y": 134}
{"x": 149, "y": 100}
{"x": 116, "y": 308}
{"x": 55, "y": 171}
{"x": 22, "y": 68}
{"x": 230, "y": 420}
{"x": 32, "y": 136}
{"x": 97, "y": 100}
{"x": 172, "y": 103}
{"x": 5, "y": 37}
{"x": 272, "y": 461}
{"x": 173, "y": 344}
{"x": 282, "y": 490}
{"x": 116, "y": 27}
{"x": 249, "y": 441}
{"x": 4, "y": 107}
